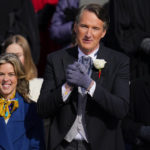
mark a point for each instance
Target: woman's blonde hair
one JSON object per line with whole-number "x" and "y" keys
{"x": 23, "y": 84}
{"x": 29, "y": 66}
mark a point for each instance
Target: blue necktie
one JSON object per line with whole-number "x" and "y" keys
{"x": 87, "y": 62}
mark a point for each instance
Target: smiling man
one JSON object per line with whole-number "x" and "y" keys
{"x": 86, "y": 103}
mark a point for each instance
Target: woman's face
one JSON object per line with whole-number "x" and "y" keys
{"x": 16, "y": 49}
{"x": 8, "y": 80}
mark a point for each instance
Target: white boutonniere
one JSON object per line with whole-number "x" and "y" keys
{"x": 99, "y": 64}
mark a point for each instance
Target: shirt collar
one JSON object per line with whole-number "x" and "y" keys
{"x": 93, "y": 55}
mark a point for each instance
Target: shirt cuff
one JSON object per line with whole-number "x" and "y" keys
{"x": 65, "y": 92}
{"x": 92, "y": 89}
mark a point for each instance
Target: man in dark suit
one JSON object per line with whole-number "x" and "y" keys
{"x": 86, "y": 102}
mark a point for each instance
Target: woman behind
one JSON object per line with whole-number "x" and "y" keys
{"x": 20, "y": 127}
{"x": 18, "y": 45}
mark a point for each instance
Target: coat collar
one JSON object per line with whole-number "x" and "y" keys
{"x": 18, "y": 115}
{"x": 70, "y": 57}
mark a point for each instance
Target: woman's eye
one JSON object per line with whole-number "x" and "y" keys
{"x": 12, "y": 74}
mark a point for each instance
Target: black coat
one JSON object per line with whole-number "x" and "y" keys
{"x": 104, "y": 110}
{"x": 129, "y": 25}
{"x": 18, "y": 17}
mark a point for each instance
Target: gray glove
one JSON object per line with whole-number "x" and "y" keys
{"x": 76, "y": 74}
{"x": 145, "y": 133}
{"x": 145, "y": 45}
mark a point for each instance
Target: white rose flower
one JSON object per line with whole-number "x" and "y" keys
{"x": 99, "y": 63}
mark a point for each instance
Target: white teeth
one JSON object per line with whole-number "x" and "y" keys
{"x": 6, "y": 86}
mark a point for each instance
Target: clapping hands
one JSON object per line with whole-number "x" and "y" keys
{"x": 77, "y": 74}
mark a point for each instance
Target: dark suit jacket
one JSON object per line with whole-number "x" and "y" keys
{"x": 103, "y": 111}
{"x": 24, "y": 130}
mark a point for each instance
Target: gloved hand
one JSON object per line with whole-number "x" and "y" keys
{"x": 76, "y": 74}
{"x": 70, "y": 13}
{"x": 145, "y": 45}
{"x": 145, "y": 133}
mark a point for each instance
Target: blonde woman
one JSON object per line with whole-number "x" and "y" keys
{"x": 20, "y": 126}
{"x": 18, "y": 45}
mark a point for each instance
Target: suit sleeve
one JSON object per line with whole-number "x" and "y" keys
{"x": 50, "y": 99}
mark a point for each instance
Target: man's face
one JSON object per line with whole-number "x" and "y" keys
{"x": 89, "y": 32}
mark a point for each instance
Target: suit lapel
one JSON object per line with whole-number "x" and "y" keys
{"x": 95, "y": 72}
{"x": 70, "y": 57}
